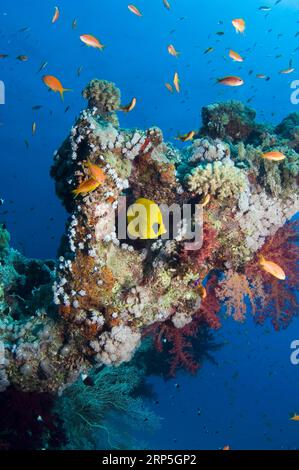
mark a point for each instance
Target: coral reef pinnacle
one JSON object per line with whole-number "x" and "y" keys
{"x": 94, "y": 303}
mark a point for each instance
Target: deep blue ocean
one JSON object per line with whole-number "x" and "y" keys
{"x": 245, "y": 398}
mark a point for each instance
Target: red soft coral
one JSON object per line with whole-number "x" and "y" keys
{"x": 180, "y": 338}
{"x": 278, "y": 300}
{"x": 203, "y": 255}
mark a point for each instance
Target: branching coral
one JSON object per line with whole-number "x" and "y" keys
{"x": 235, "y": 291}
{"x": 222, "y": 180}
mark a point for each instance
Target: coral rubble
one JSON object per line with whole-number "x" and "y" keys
{"x": 108, "y": 290}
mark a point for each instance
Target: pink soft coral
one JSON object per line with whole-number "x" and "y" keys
{"x": 278, "y": 300}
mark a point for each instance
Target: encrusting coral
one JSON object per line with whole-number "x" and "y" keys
{"x": 109, "y": 289}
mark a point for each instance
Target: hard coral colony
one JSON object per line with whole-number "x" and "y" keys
{"x": 108, "y": 293}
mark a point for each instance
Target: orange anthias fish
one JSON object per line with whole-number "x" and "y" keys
{"x": 235, "y": 56}
{"x": 239, "y": 25}
{"x": 91, "y": 41}
{"x": 176, "y": 82}
{"x": 272, "y": 268}
{"x": 186, "y": 137}
{"x": 86, "y": 187}
{"x": 96, "y": 172}
{"x": 206, "y": 200}
{"x": 172, "y": 51}
{"x": 295, "y": 418}
{"x": 56, "y": 15}
{"x": 134, "y": 10}
{"x": 231, "y": 81}
{"x": 54, "y": 84}
{"x": 129, "y": 107}
{"x": 169, "y": 87}
{"x": 202, "y": 291}
{"x": 274, "y": 156}
{"x": 287, "y": 71}
{"x": 166, "y": 4}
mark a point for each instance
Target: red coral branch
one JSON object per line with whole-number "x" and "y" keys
{"x": 181, "y": 347}
{"x": 210, "y": 244}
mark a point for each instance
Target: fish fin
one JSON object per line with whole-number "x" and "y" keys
{"x": 261, "y": 258}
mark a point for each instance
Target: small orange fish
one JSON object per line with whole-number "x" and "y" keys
{"x": 226, "y": 448}
{"x": 91, "y": 41}
{"x": 169, "y": 87}
{"x": 23, "y": 58}
{"x": 235, "y": 56}
{"x": 54, "y": 84}
{"x": 295, "y": 418}
{"x": 172, "y": 51}
{"x": 166, "y": 4}
{"x": 86, "y": 187}
{"x": 274, "y": 156}
{"x": 231, "y": 81}
{"x": 176, "y": 82}
{"x": 272, "y": 268}
{"x": 134, "y": 10}
{"x": 96, "y": 172}
{"x": 202, "y": 291}
{"x": 56, "y": 15}
{"x": 129, "y": 107}
{"x": 206, "y": 200}
{"x": 287, "y": 71}
{"x": 239, "y": 25}
{"x": 186, "y": 137}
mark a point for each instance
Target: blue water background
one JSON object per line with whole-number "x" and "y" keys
{"x": 245, "y": 401}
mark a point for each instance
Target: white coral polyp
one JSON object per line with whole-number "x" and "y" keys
{"x": 180, "y": 319}
{"x": 118, "y": 345}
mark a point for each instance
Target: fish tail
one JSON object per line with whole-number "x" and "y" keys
{"x": 63, "y": 91}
